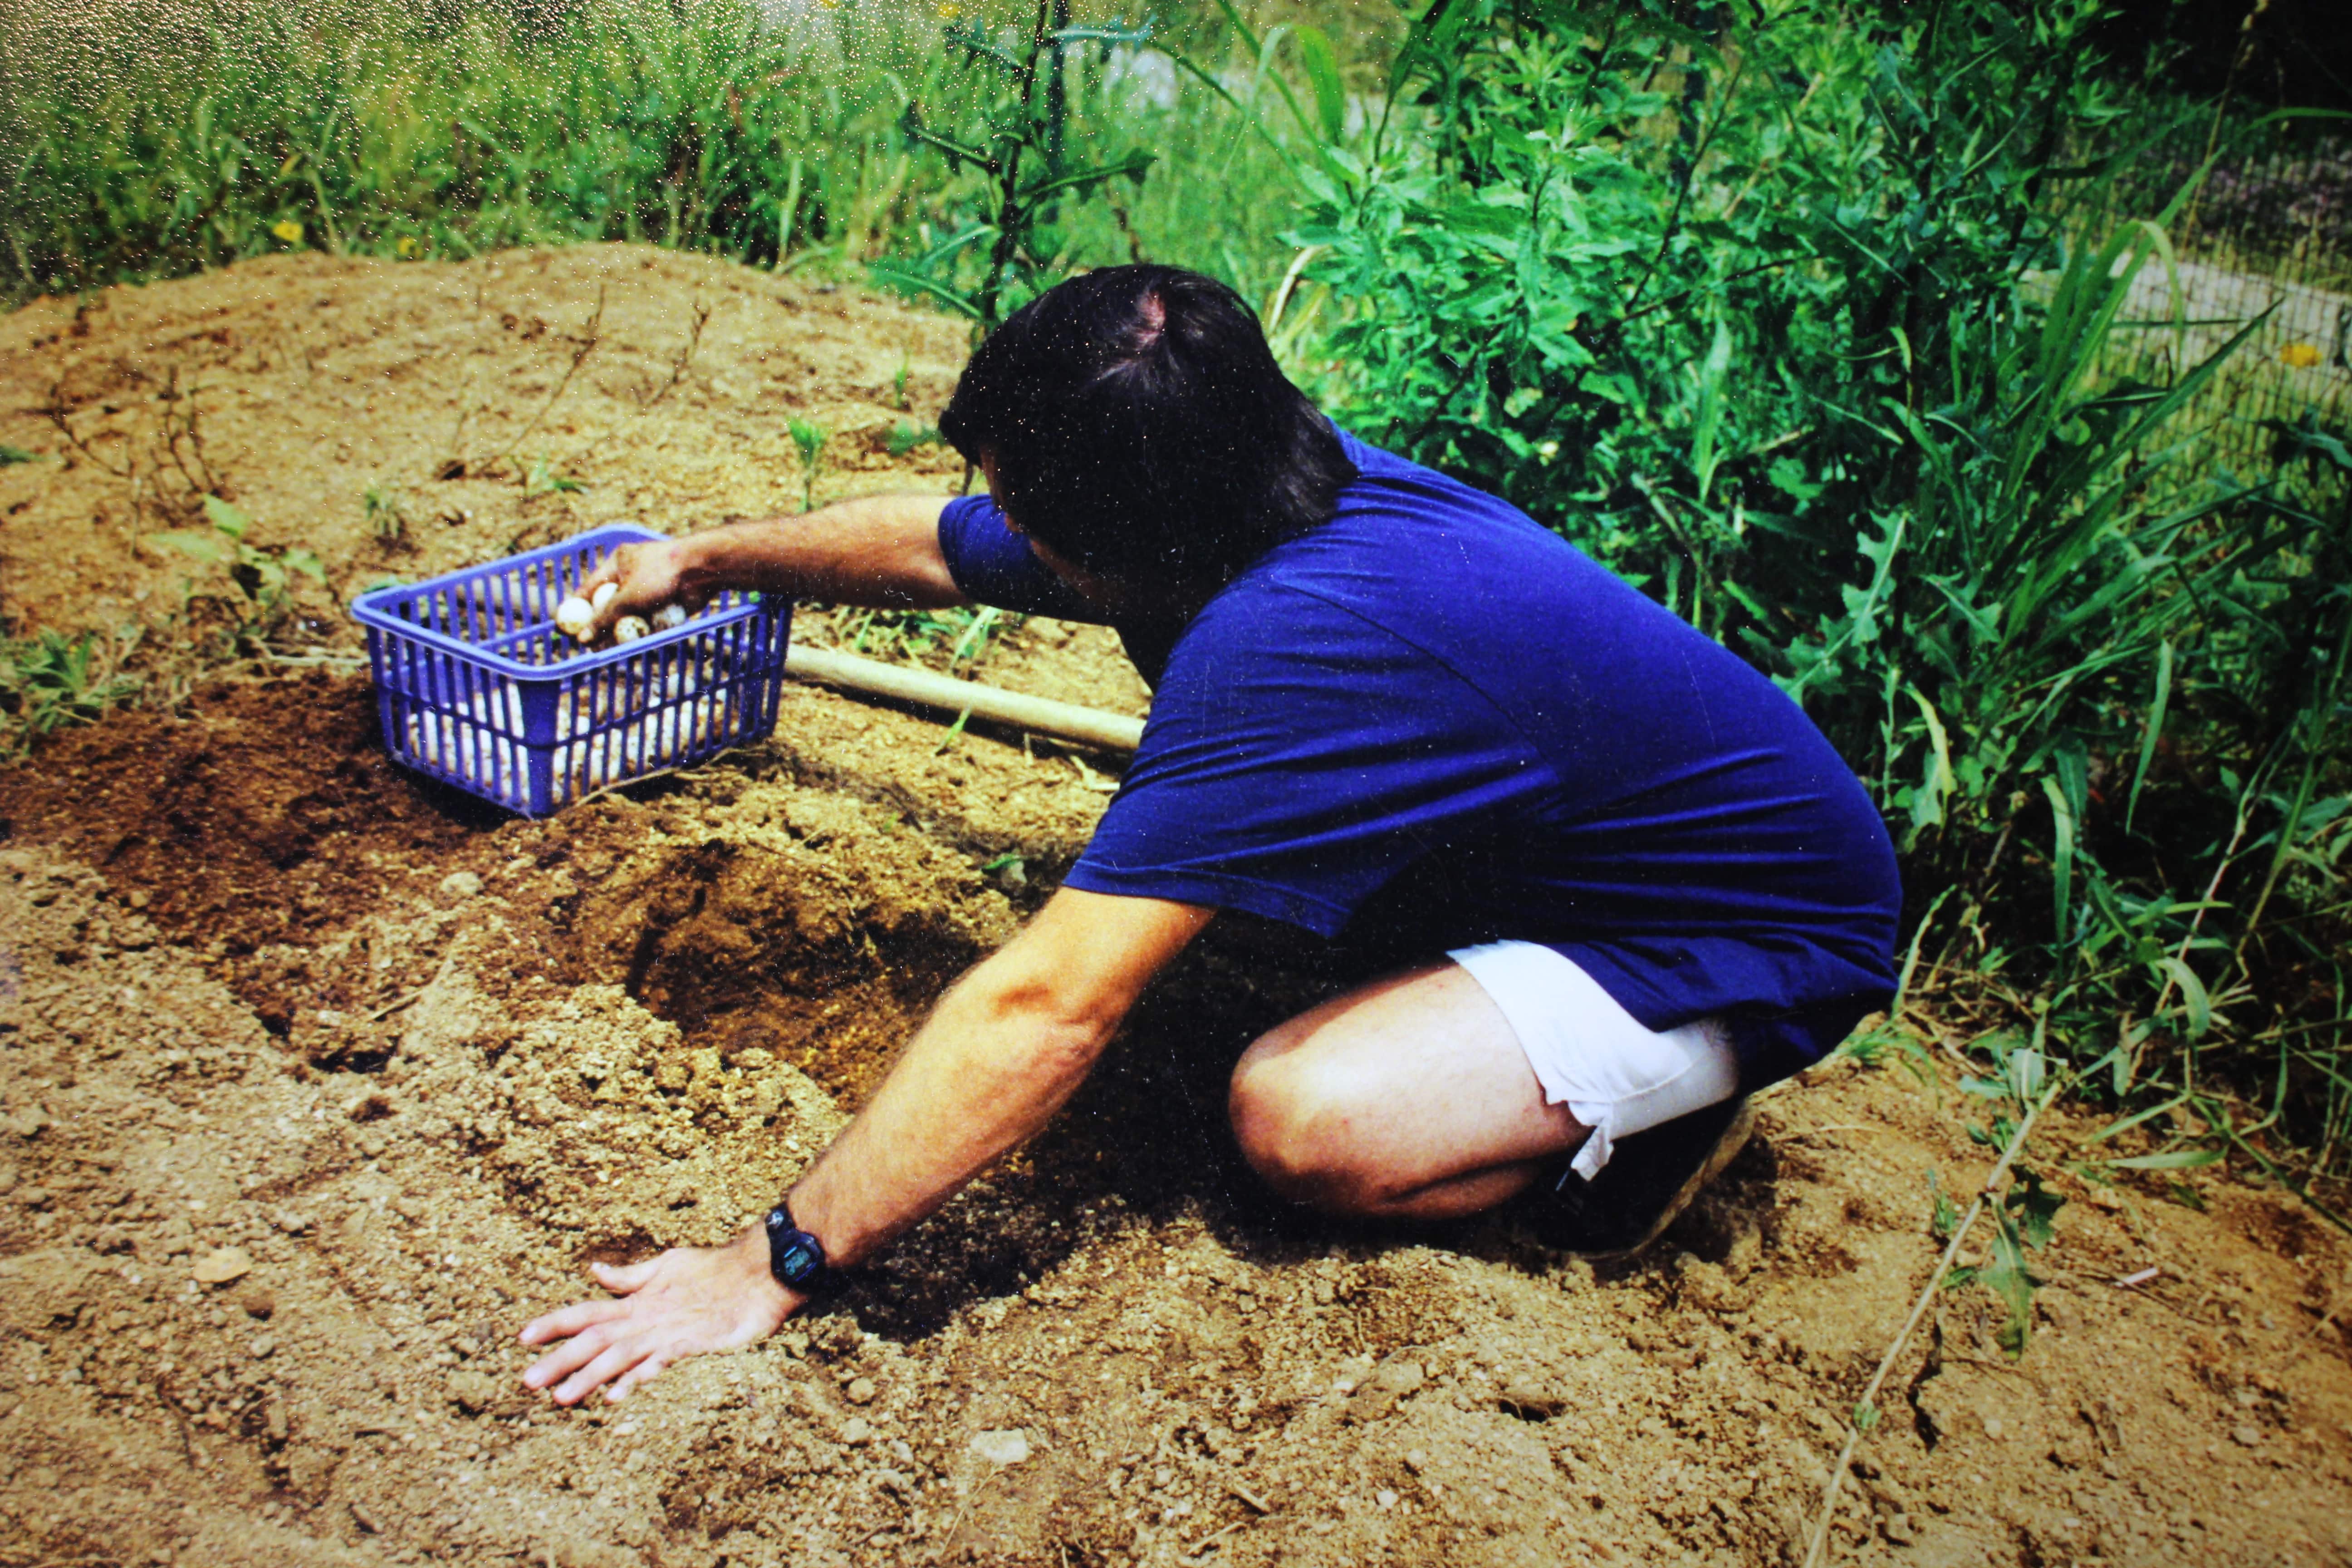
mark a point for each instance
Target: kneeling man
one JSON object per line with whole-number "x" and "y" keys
{"x": 1625, "y": 880}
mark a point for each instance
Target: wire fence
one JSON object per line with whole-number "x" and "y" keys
{"x": 2266, "y": 238}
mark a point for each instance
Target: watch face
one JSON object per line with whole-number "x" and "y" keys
{"x": 796, "y": 1259}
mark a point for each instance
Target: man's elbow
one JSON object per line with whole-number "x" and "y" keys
{"x": 1065, "y": 1023}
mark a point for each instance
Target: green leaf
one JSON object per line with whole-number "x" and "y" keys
{"x": 12, "y": 454}
{"x": 226, "y": 518}
{"x": 1943, "y": 1214}
{"x": 2194, "y": 999}
{"x": 1133, "y": 166}
{"x": 808, "y": 440}
{"x": 2034, "y": 1205}
{"x": 2063, "y": 857}
{"x": 2170, "y": 1159}
{"x": 891, "y": 276}
{"x": 2125, "y": 1124}
{"x": 2154, "y": 727}
{"x": 298, "y": 559}
{"x": 906, "y": 436}
{"x": 203, "y": 546}
{"x": 1321, "y": 64}
{"x": 1927, "y": 801}
{"x": 1711, "y": 376}
{"x": 2005, "y": 1274}
{"x": 2025, "y": 1070}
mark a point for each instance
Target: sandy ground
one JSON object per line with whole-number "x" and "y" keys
{"x": 315, "y": 1083}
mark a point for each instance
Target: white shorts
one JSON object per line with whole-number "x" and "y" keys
{"x": 1594, "y": 1056}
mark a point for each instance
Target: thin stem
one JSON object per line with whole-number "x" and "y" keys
{"x": 1683, "y": 190}
{"x": 1992, "y": 1190}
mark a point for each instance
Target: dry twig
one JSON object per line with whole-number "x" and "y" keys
{"x": 55, "y": 411}
{"x": 582, "y": 346}
{"x": 685, "y": 361}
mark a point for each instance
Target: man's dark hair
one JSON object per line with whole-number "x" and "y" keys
{"x": 1141, "y": 428}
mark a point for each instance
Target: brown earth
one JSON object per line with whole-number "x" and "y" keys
{"x": 293, "y": 386}
{"x": 315, "y": 1083}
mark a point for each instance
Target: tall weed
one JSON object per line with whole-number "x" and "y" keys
{"x": 1775, "y": 318}
{"x": 147, "y": 139}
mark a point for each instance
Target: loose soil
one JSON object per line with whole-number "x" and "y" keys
{"x": 317, "y": 1081}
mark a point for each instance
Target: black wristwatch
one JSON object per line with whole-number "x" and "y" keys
{"x": 794, "y": 1256}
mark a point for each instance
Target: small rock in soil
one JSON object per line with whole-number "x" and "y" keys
{"x": 222, "y": 1265}
{"x": 475, "y": 1392}
{"x": 1390, "y": 1382}
{"x": 1002, "y": 1446}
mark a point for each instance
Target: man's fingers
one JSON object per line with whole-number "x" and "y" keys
{"x": 649, "y": 1367}
{"x": 623, "y": 1277}
{"x": 609, "y": 572}
{"x": 570, "y": 1321}
{"x": 615, "y": 569}
{"x": 569, "y": 1357}
{"x": 613, "y": 1361}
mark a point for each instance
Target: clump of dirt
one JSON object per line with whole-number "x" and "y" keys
{"x": 317, "y": 1082}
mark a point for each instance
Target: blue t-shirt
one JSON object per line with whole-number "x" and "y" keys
{"x": 1432, "y": 718}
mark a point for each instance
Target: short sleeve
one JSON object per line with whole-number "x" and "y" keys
{"x": 1296, "y": 759}
{"x": 993, "y": 565}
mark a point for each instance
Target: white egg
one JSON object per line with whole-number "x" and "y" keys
{"x": 575, "y": 616}
{"x": 629, "y": 629}
{"x": 604, "y": 591}
{"x": 668, "y": 616}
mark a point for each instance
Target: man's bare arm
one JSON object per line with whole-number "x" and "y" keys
{"x": 1004, "y": 1050}
{"x": 877, "y": 549}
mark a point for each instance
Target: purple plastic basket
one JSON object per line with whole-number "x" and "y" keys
{"x": 479, "y": 688}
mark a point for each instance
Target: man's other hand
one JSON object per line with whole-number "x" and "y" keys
{"x": 690, "y": 1300}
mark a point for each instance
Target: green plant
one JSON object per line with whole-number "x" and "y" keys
{"x": 1016, "y": 135}
{"x": 963, "y": 636}
{"x": 49, "y": 680}
{"x": 808, "y": 441}
{"x": 2023, "y": 1212}
{"x": 10, "y": 455}
{"x": 385, "y": 511}
{"x": 183, "y": 144}
{"x": 263, "y": 578}
{"x": 542, "y": 479}
{"x": 906, "y": 436}
{"x": 1779, "y": 318}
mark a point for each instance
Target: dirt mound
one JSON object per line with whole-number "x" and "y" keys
{"x": 294, "y": 385}
{"x": 315, "y": 1083}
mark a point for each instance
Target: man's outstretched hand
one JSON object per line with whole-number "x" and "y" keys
{"x": 690, "y": 1300}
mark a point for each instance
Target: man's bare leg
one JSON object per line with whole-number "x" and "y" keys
{"x": 1409, "y": 1098}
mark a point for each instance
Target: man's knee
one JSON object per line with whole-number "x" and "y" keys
{"x": 1296, "y": 1125}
